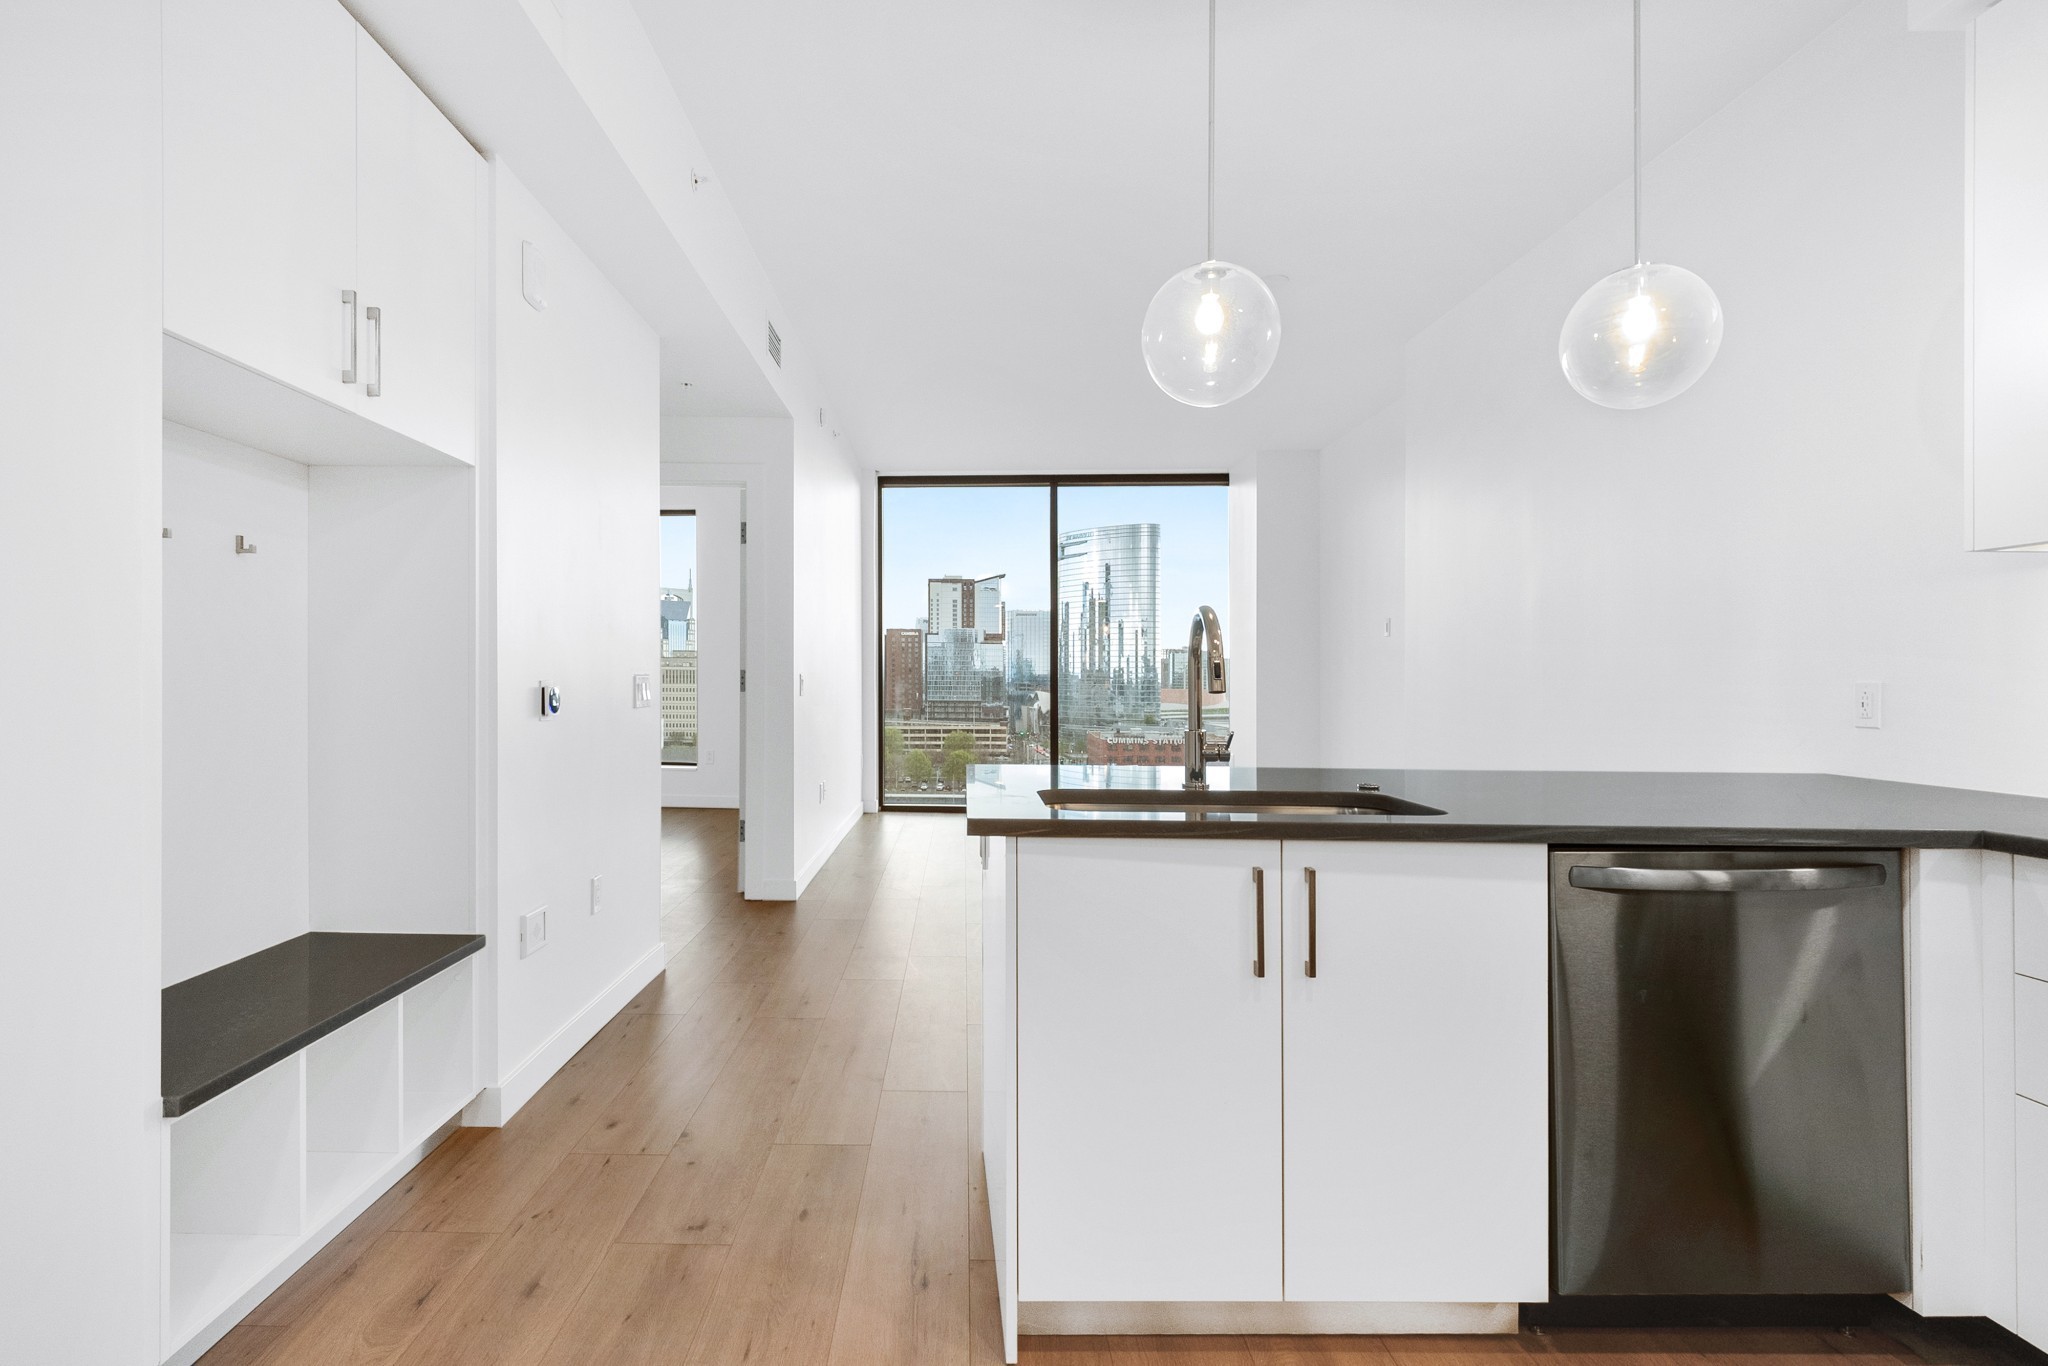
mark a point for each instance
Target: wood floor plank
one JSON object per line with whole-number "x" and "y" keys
{"x": 930, "y": 1049}
{"x": 506, "y": 1167}
{"x": 905, "y": 1296}
{"x": 1613, "y": 1346}
{"x": 508, "y": 1309}
{"x": 804, "y": 988}
{"x": 1220, "y": 1350}
{"x": 642, "y": 1308}
{"x": 382, "y": 1301}
{"x": 779, "y": 1295}
{"x": 841, "y": 1088}
{"x": 707, "y": 1179}
{"x": 689, "y": 970}
{"x": 310, "y": 1284}
{"x": 245, "y": 1345}
{"x": 1317, "y": 1351}
{"x": 651, "y": 1110}
{"x": 1451, "y": 1350}
{"x": 1065, "y": 1351}
{"x": 940, "y": 930}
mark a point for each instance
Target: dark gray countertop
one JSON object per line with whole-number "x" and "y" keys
{"x": 1539, "y": 807}
{"x": 224, "y": 1026}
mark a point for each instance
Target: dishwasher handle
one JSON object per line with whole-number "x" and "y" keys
{"x": 1834, "y": 878}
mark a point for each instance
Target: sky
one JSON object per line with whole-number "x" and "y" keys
{"x": 977, "y": 530}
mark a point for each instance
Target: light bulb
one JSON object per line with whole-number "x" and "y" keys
{"x": 1640, "y": 336}
{"x": 1211, "y": 334}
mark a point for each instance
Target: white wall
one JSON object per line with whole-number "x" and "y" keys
{"x": 1362, "y": 514}
{"x": 391, "y": 605}
{"x": 80, "y": 800}
{"x": 714, "y": 781}
{"x": 236, "y": 853}
{"x": 829, "y": 611}
{"x": 1700, "y": 584}
{"x": 1276, "y": 641}
{"x": 571, "y": 497}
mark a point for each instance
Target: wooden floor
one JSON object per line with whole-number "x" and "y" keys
{"x": 769, "y": 1158}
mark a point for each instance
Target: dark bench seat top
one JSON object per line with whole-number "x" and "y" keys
{"x": 224, "y": 1026}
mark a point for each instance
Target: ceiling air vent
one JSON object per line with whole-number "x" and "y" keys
{"x": 774, "y": 344}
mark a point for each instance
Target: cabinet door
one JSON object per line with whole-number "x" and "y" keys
{"x": 1417, "y": 1073}
{"x": 2030, "y": 1154}
{"x": 417, "y": 245}
{"x": 2009, "y": 275}
{"x": 1148, "y": 1071}
{"x": 260, "y": 184}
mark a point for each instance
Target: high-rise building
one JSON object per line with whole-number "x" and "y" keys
{"x": 965, "y": 649}
{"x": 902, "y": 673}
{"x": 679, "y": 617}
{"x": 1108, "y": 629}
{"x": 949, "y": 604}
{"x": 1030, "y": 648}
{"x": 679, "y": 706}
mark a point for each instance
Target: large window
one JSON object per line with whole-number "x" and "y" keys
{"x": 1024, "y": 619}
{"x": 679, "y": 637}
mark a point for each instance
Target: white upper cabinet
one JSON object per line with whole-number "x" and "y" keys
{"x": 416, "y": 252}
{"x": 2009, "y": 278}
{"x": 321, "y": 230}
{"x": 1417, "y": 1063}
{"x": 1148, "y": 1071}
{"x": 260, "y": 184}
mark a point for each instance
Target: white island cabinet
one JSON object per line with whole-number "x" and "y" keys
{"x": 1201, "y": 1136}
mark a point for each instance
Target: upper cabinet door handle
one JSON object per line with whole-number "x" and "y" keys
{"x": 374, "y": 386}
{"x": 1308, "y": 969}
{"x": 348, "y": 303}
{"x": 1259, "y": 905}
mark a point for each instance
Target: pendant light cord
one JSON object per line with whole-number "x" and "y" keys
{"x": 1211, "y": 252}
{"x": 1637, "y": 182}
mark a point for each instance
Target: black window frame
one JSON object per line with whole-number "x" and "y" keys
{"x": 1052, "y": 483}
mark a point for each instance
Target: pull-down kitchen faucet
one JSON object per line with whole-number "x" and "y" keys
{"x": 1200, "y": 748}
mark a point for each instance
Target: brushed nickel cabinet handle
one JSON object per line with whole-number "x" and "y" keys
{"x": 374, "y": 386}
{"x": 1308, "y": 969}
{"x": 1259, "y": 903}
{"x": 348, "y": 302}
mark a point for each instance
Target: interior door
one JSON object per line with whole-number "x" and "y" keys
{"x": 1417, "y": 1072}
{"x": 1148, "y": 1070}
{"x": 418, "y": 244}
{"x": 260, "y": 184}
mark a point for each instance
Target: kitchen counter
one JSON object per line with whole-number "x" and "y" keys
{"x": 1535, "y": 807}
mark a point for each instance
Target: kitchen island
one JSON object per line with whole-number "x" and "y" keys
{"x": 1276, "y": 1072}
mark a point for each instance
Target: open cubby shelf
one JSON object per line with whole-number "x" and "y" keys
{"x": 329, "y": 1073}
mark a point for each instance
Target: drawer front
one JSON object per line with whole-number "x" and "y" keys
{"x": 2030, "y": 1131}
{"x": 2030, "y": 1038}
{"x": 2030, "y": 916}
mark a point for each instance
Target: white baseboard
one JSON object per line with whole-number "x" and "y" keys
{"x": 1092, "y": 1317}
{"x": 789, "y": 889}
{"x": 496, "y": 1104}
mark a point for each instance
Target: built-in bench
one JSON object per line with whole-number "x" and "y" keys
{"x": 299, "y": 1083}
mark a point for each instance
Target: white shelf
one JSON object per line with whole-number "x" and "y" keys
{"x": 333, "y": 1179}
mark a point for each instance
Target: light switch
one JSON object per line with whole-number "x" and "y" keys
{"x": 643, "y": 690}
{"x": 596, "y": 893}
{"x": 533, "y": 932}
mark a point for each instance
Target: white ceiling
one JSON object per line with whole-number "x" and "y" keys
{"x": 966, "y": 207}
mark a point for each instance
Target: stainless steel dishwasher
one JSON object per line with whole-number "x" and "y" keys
{"x": 1728, "y": 1072}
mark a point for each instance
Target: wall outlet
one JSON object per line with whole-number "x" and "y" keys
{"x": 643, "y": 690}
{"x": 596, "y": 893}
{"x": 533, "y": 932}
{"x": 1870, "y": 705}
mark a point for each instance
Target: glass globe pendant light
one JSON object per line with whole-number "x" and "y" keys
{"x": 1646, "y": 333}
{"x": 1213, "y": 329}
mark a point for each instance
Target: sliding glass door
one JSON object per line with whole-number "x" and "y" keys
{"x": 1029, "y": 618}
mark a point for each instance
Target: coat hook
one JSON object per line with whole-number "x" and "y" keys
{"x": 243, "y": 547}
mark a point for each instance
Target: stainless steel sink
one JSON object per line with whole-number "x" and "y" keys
{"x": 1360, "y": 803}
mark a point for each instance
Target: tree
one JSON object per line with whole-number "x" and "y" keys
{"x": 917, "y": 766}
{"x": 957, "y": 761}
{"x": 959, "y": 739}
{"x": 892, "y": 741}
